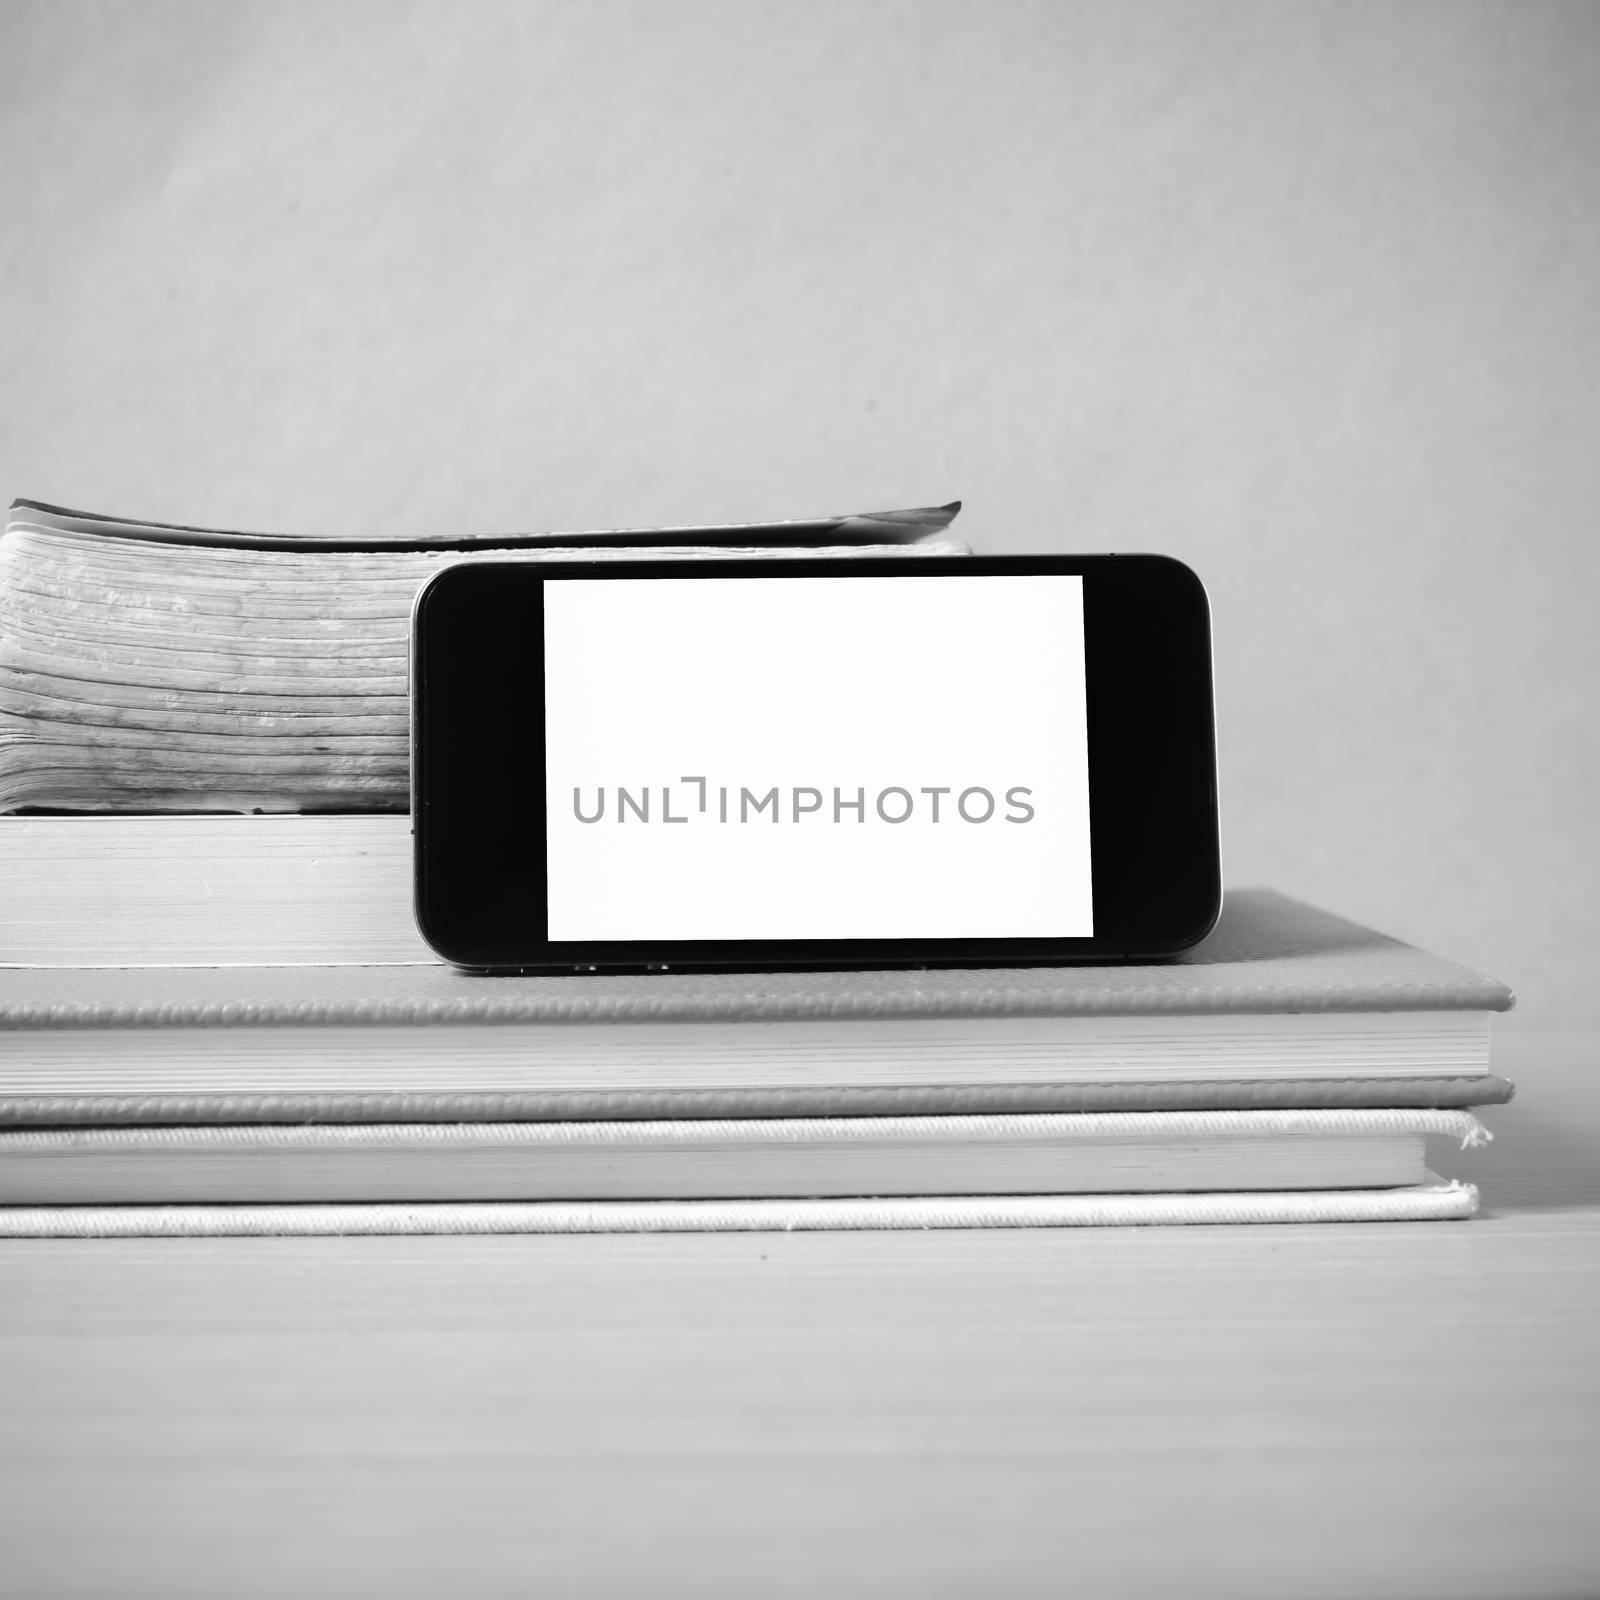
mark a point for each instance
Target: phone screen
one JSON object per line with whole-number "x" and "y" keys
{"x": 800, "y": 758}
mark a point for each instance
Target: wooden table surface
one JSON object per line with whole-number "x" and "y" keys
{"x": 1349, "y": 1410}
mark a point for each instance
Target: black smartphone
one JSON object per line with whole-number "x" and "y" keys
{"x": 777, "y": 764}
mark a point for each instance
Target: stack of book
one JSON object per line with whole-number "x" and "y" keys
{"x": 215, "y": 1023}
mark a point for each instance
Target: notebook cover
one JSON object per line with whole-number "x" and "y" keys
{"x": 865, "y": 527}
{"x": 1430, "y": 1202}
{"x": 1268, "y": 954}
{"x": 737, "y": 1133}
{"x": 23, "y": 1111}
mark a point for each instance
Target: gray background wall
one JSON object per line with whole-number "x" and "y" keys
{"x": 1303, "y": 294}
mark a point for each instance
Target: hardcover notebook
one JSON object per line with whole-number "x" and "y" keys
{"x": 1433, "y": 1201}
{"x": 1282, "y": 1006}
{"x": 1076, "y": 1170}
{"x": 739, "y": 1159}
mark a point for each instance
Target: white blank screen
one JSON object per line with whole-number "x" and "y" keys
{"x": 719, "y": 732}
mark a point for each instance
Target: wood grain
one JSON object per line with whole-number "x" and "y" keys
{"x": 1381, "y": 1410}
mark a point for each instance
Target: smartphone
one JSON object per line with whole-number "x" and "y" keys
{"x": 788, "y": 763}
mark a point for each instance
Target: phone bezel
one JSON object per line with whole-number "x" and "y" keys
{"x": 478, "y": 797}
